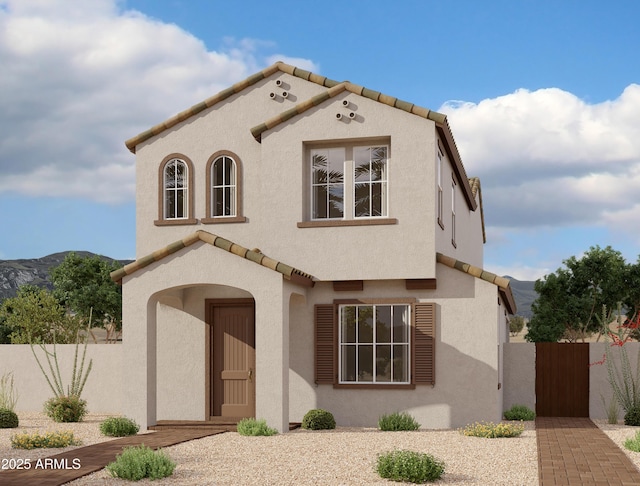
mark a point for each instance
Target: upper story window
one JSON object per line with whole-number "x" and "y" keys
{"x": 175, "y": 195}
{"x": 349, "y": 183}
{"x": 370, "y": 176}
{"x": 224, "y": 189}
{"x": 440, "y": 197}
{"x": 453, "y": 212}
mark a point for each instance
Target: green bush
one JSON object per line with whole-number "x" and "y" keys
{"x": 8, "y": 419}
{"x": 409, "y": 466}
{"x": 490, "y": 430}
{"x": 318, "y": 419}
{"x": 65, "y": 409}
{"x": 119, "y": 427}
{"x": 633, "y": 444}
{"x": 36, "y": 440}
{"x": 138, "y": 462}
{"x": 519, "y": 412}
{"x": 398, "y": 421}
{"x": 632, "y": 417}
{"x": 253, "y": 427}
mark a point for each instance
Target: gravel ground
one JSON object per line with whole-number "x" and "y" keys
{"x": 618, "y": 434}
{"x": 345, "y": 456}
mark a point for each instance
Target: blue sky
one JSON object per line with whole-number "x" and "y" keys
{"x": 542, "y": 97}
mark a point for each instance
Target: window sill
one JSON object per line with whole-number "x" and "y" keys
{"x": 374, "y": 386}
{"x": 347, "y": 222}
{"x": 175, "y": 222}
{"x": 223, "y": 220}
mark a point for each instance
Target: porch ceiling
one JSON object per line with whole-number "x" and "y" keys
{"x": 287, "y": 271}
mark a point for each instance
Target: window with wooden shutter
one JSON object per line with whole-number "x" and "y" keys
{"x": 325, "y": 369}
{"x": 424, "y": 344}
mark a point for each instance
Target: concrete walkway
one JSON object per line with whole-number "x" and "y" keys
{"x": 574, "y": 451}
{"x": 95, "y": 457}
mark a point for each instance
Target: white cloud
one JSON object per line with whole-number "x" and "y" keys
{"x": 79, "y": 79}
{"x": 547, "y": 158}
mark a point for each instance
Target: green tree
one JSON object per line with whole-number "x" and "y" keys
{"x": 516, "y": 324}
{"x": 83, "y": 286}
{"x": 35, "y": 316}
{"x": 569, "y": 300}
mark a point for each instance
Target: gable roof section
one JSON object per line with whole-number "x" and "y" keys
{"x": 334, "y": 88}
{"x": 502, "y": 283}
{"x": 287, "y": 271}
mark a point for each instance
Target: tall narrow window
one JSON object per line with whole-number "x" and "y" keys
{"x": 176, "y": 189}
{"x": 370, "y": 177}
{"x": 440, "y": 209}
{"x": 224, "y": 187}
{"x": 453, "y": 213}
{"x": 327, "y": 183}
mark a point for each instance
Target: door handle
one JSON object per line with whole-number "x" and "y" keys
{"x": 250, "y": 373}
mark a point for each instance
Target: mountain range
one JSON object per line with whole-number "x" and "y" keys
{"x": 35, "y": 271}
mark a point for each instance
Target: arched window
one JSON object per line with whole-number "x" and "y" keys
{"x": 175, "y": 191}
{"x": 223, "y": 176}
{"x": 224, "y": 189}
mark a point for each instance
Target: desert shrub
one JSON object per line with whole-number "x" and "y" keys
{"x": 318, "y": 419}
{"x": 8, "y": 419}
{"x": 253, "y": 427}
{"x": 490, "y": 430}
{"x": 65, "y": 409}
{"x": 612, "y": 409}
{"x": 119, "y": 427}
{"x": 519, "y": 412}
{"x": 8, "y": 394}
{"x": 36, "y": 440}
{"x": 632, "y": 417}
{"x": 633, "y": 443}
{"x": 409, "y": 466}
{"x": 138, "y": 462}
{"x": 398, "y": 421}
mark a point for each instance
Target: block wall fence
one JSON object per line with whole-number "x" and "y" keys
{"x": 105, "y": 388}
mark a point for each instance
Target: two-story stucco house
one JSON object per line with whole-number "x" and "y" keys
{"x": 306, "y": 243}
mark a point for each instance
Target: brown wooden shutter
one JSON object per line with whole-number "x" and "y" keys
{"x": 424, "y": 349}
{"x": 325, "y": 372}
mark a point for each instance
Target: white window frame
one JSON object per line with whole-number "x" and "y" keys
{"x": 384, "y": 208}
{"x": 349, "y": 182}
{"x": 184, "y": 190}
{"x": 407, "y": 344}
{"x": 232, "y": 185}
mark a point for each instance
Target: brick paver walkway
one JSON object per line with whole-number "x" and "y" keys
{"x": 574, "y": 451}
{"x": 95, "y": 457}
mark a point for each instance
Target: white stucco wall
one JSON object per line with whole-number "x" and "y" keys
{"x": 103, "y": 390}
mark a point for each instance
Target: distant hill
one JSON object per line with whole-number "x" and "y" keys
{"x": 34, "y": 271}
{"x": 524, "y": 294}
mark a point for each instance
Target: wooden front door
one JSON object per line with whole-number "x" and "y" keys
{"x": 231, "y": 358}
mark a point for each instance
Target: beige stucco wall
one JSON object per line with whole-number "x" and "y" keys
{"x": 519, "y": 375}
{"x": 275, "y": 185}
{"x": 103, "y": 390}
{"x": 466, "y": 388}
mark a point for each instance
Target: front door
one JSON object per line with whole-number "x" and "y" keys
{"x": 231, "y": 358}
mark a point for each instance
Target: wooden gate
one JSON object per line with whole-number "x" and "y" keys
{"x": 562, "y": 379}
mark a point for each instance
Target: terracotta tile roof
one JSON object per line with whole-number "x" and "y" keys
{"x": 287, "y": 271}
{"x": 474, "y": 182}
{"x": 501, "y": 282}
{"x": 334, "y": 87}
